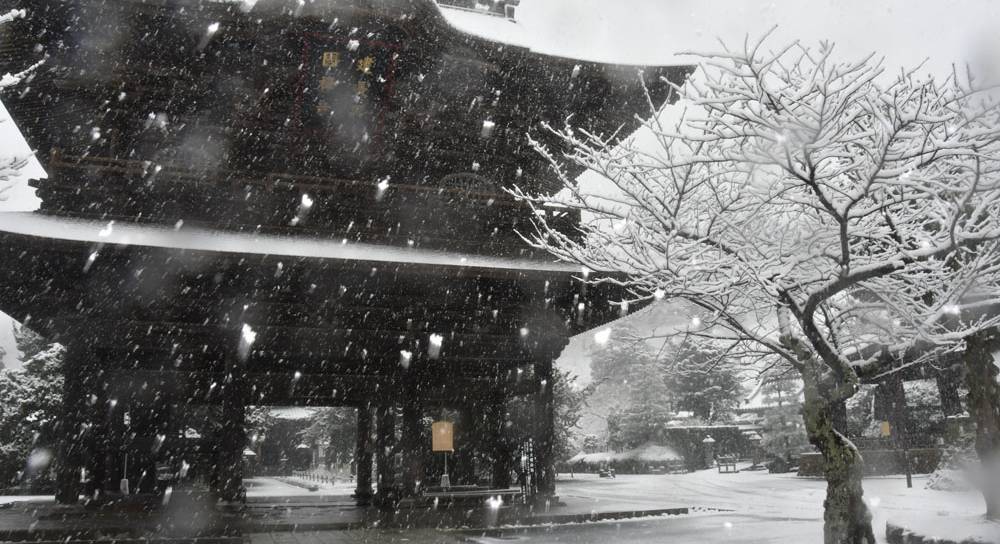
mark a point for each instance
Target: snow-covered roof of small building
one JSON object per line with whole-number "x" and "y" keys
{"x": 292, "y": 413}
{"x": 646, "y": 452}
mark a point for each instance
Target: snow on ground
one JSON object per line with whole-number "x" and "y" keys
{"x": 8, "y": 499}
{"x": 760, "y": 495}
{"x": 274, "y": 488}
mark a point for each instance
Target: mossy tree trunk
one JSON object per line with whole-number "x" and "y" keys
{"x": 984, "y": 407}
{"x": 846, "y": 518}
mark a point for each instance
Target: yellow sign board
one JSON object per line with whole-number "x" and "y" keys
{"x": 442, "y": 433}
{"x": 886, "y": 429}
{"x": 331, "y": 59}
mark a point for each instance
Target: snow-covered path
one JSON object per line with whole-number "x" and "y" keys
{"x": 766, "y": 504}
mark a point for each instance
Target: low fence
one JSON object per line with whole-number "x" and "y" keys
{"x": 315, "y": 476}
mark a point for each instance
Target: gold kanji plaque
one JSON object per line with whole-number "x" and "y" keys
{"x": 331, "y": 59}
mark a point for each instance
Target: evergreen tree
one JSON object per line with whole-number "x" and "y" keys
{"x": 30, "y": 407}
{"x": 648, "y": 408}
{"x": 783, "y": 432}
{"x": 702, "y": 381}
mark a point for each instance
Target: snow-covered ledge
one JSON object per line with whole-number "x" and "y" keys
{"x": 198, "y": 239}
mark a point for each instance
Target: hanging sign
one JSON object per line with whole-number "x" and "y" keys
{"x": 886, "y": 429}
{"x": 442, "y": 433}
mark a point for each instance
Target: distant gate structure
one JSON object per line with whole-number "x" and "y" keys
{"x": 299, "y": 204}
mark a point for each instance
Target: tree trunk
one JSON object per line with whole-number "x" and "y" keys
{"x": 984, "y": 407}
{"x": 845, "y": 515}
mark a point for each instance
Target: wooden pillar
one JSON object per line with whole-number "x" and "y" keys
{"x": 97, "y": 442}
{"x": 232, "y": 440}
{"x": 893, "y": 404}
{"x": 464, "y": 466}
{"x": 363, "y": 456}
{"x": 232, "y": 436}
{"x": 412, "y": 448}
{"x": 948, "y": 380}
{"x": 545, "y": 338}
{"x": 114, "y": 445}
{"x": 72, "y": 425}
{"x": 501, "y": 450}
{"x": 544, "y": 477}
{"x": 385, "y": 439}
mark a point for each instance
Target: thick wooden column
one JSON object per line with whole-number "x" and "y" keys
{"x": 232, "y": 436}
{"x": 501, "y": 452}
{"x": 893, "y": 403}
{"x": 97, "y": 440}
{"x": 412, "y": 448}
{"x": 544, "y": 478}
{"x": 545, "y": 338}
{"x": 463, "y": 466}
{"x": 73, "y": 424}
{"x": 385, "y": 439}
{"x": 363, "y": 456}
{"x": 232, "y": 440}
{"x": 114, "y": 445}
{"x": 948, "y": 380}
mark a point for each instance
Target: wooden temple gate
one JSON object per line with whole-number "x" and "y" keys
{"x": 295, "y": 205}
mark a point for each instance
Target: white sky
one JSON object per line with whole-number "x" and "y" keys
{"x": 653, "y": 31}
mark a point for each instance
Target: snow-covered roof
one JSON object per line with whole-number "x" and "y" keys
{"x": 646, "y": 452}
{"x": 130, "y": 234}
{"x": 292, "y": 413}
{"x": 12, "y": 144}
{"x": 484, "y": 25}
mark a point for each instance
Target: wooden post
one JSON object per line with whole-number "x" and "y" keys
{"x": 412, "y": 448}
{"x": 97, "y": 440}
{"x": 72, "y": 426}
{"x": 496, "y": 420}
{"x": 363, "y": 456}
{"x": 464, "y": 465}
{"x": 114, "y": 444}
{"x": 544, "y": 478}
{"x": 385, "y": 439}
{"x": 232, "y": 437}
{"x": 900, "y": 421}
{"x": 948, "y": 380}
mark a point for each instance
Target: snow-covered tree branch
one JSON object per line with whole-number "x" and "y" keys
{"x": 825, "y": 211}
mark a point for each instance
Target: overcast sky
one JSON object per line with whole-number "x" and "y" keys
{"x": 652, "y": 31}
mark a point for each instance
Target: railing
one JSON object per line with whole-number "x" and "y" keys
{"x": 314, "y": 476}
{"x": 474, "y": 217}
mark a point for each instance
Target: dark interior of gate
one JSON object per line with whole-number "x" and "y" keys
{"x": 371, "y": 122}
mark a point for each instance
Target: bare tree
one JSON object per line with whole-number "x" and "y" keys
{"x": 819, "y": 211}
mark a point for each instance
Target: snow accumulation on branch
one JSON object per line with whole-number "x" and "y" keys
{"x": 8, "y": 79}
{"x": 789, "y": 180}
